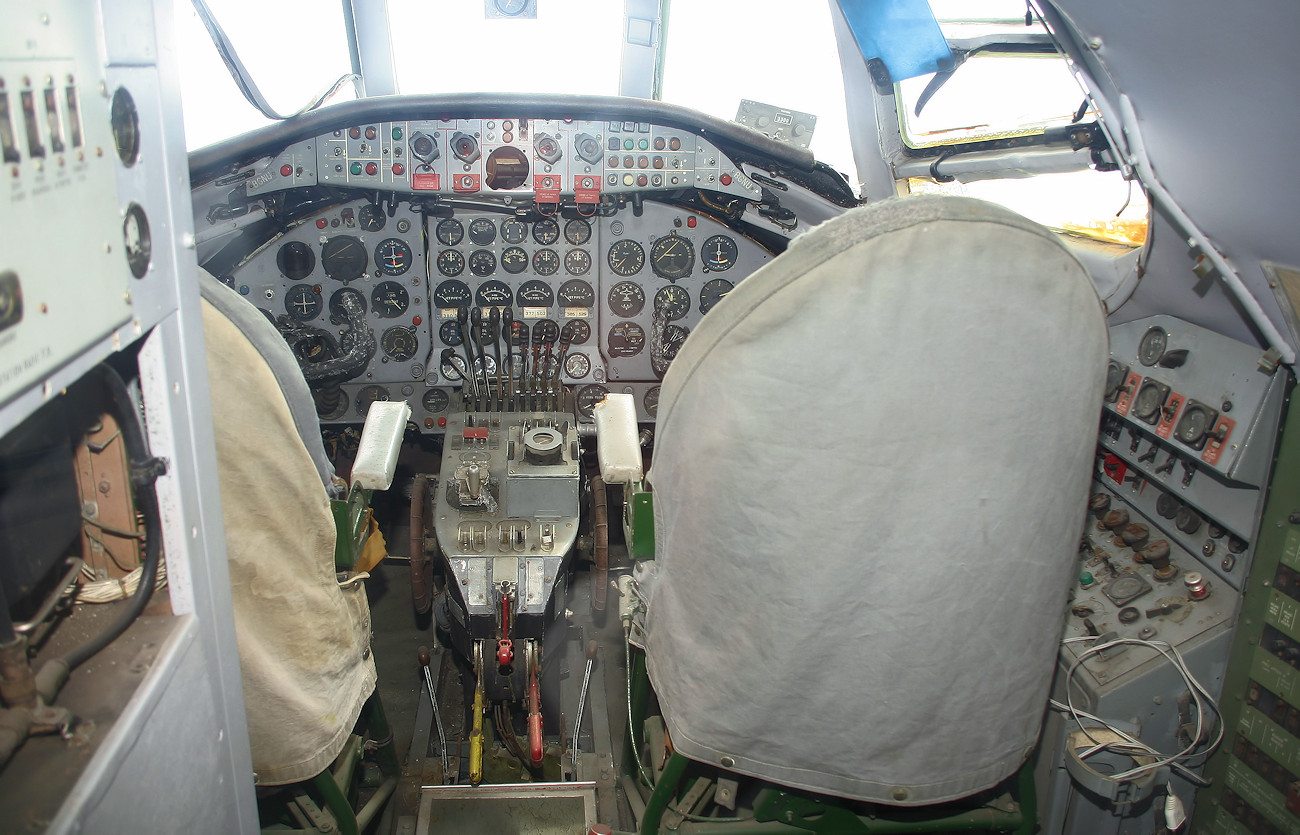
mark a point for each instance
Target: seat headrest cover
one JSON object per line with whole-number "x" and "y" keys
{"x": 871, "y": 474}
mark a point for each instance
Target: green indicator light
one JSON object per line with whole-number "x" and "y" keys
{"x": 628, "y": 144}
{"x": 356, "y": 168}
{"x": 1086, "y": 579}
{"x": 643, "y": 144}
{"x": 397, "y": 133}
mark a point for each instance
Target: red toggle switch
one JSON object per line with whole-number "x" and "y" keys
{"x": 505, "y": 652}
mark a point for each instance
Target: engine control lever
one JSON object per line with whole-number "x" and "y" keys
{"x": 494, "y": 324}
{"x": 423, "y": 655}
{"x": 566, "y": 340}
{"x": 462, "y": 323}
{"x": 582, "y": 701}
{"x": 476, "y": 326}
{"x": 450, "y": 357}
{"x": 546, "y": 377}
{"x": 519, "y": 336}
{"x": 534, "y": 383}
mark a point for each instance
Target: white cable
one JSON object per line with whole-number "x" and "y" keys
{"x": 110, "y": 591}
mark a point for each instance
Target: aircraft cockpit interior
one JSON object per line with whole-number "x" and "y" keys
{"x": 590, "y": 418}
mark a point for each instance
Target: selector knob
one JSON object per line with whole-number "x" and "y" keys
{"x": 1187, "y": 520}
{"x": 1115, "y": 519}
{"x": 543, "y": 445}
{"x": 1198, "y": 588}
{"x": 1135, "y": 535}
{"x": 1098, "y": 504}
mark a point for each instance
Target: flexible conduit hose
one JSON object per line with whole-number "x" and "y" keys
{"x": 420, "y": 569}
{"x": 600, "y": 533}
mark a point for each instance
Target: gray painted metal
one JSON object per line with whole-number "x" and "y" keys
{"x": 640, "y": 70}
{"x": 371, "y": 42}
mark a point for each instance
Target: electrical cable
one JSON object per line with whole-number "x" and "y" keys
{"x": 636, "y": 753}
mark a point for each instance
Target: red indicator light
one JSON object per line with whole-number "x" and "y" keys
{"x": 442, "y": 423}
{"x": 355, "y": 133}
{"x": 370, "y": 133}
{"x": 372, "y": 169}
{"x": 690, "y": 221}
{"x": 642, "y": 179}
{"x": 416, "y": 320}
{"x": 286, "y": 170}
{"x": 725, "y": 179}
{"x": 322, "y": 223}
{"x": 399, "y": 169}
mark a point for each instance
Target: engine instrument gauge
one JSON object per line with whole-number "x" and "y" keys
{"x": 302, "y": 302}
{"x": 514, "y": 230}
{"x": 451, "y": 262}
{"x": 626, "y": 339}
{"x": 449, "y": 372}
{"x": 719, "y": 253}
{"x": 344, "y": 258}
{"x": 577, "y": 231}
{"x": 449, "y": 332}
{"x": 1194, "y": 426}
{"x": 368, "y": 395}
{"x": 371, "y": 218}
{"x": 546, "y": 262}
{"x": 1116, "y": 374}
{"x": 534, "y": 293}
{"x": 577, "y": 366}
{"x": 337, "y": 314}
{"x": 1152, "y": 347}
{"x": 494, "y": 294}
{"x": 389, "y": 300}
{"x": 588, "y": 397}
{"x": 576, "y": 293}
{"x": 295, "y": 260}
{"x": 482, "y": 231}
{"x": 674, "y": 336}
{"x": 626, "y": 257}
{"x": 626, "y": 298}
{"x": 393, "y": 256}
{"x": 577, "y": 262}
{"x": 546, "y": 231}
{"x": 482, "y": 262}
{"x": 450, "y": 232}
{"x": 399, "y": 343}
{"x": 452, "y": 294}
{"x": 673, "y": 302}
{"x": 1150, "y": 397}
{"x": 581, "y": 331}
{"x": 514, "y": 260}
{"x": 712, "y": 292}
{"x": 435, "y": 401}
{"x": 672, "y": 257}
{"x": 651, "y": 401}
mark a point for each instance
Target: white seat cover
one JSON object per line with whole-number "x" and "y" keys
{"x": 870, "y": 479}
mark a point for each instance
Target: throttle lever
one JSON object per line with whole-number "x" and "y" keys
{"x": 450, "y": 357}
{"x": 476, "y": 326}
{"x": 462, "y": 324}
{"x": 494, "y": 324}
{"x": 567, "y": 333}
{"x": 519, "y": 336}
{"x": 535, "y": 380}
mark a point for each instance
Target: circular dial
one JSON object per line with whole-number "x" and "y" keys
{"x": 672, "y": 257}
{"x": 651, "y": 401}
{"x": 581, "y": 331}
{"x": 399, "y": 343}
{"x": 546, "y": 231}
{"x": 435, "y": 401}
{"x": 295, "y": 260}
{"x": 577, "y": 231}
{"x": 546, "y": 262}
{"x": 514, "y": 230}
{"x": 626, "y": 257}
{"x": 453, "y": 294}
{"x": 674, "y": 336}
{"x": 626, "y": 339}
{"x": 337, "y": 314}
{"x": 393, "y": 256}
{"x": 1193, "y": 425}
{"x": 344, "y": 258}
{"x": 368, "y": 395}
{"x": 450, "y": 232}
{"x": 449, "y": 332}
{"x": 577, "y": 262}
{"x": 719, "y": 253}
{"x": 371, "y": 218}
{"x": 576, "y": 293}
{"x": 534, "y": 293}
{"x": 1147, "y": 402}
{"x": 588, "y": 397}
{"x": 673, "y": 302}
{"x": 451, "y": 262}
{"x": 577, "y": 366}
{"x": 1152, "y": 346}
{"x": 1115, "y": 376}
{"x": 389, "y": 300}
{"x": 514, "y": 260}
{"x": 494, "y": 294}
{"x": 449, "y": 372}
{"x": 482, "y": 262}
{"x": 482, "y": 231}
{"x": 712, "y": 292}
{"x": 302, "y": 302}
{"x": 626, "y": 298}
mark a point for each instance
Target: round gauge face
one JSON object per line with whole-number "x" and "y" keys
{"x": 577, "y": 231}
{"x": 546, "y": 231}
{"x": 674, "y": 336}
{"x": 368, "y": 395}
{"x": 344, "y": 258}
{"x": 482, "y": 231}
{"x": 1147, "y": 403}
{"x": 712, "y": 292}
{"x": 337, "y": 313}
{"x": 514, "y": 260}
{"x": 371, "y": 218}
{"x": 545, "y": 331}
{"x": 453, "y": 294}
{"x": 672, "y": 257}
{"x": 449, "y": 332}
{"x": 451, "y": 262}
{"x": 577, "y": 262}
{"x": 449, "y": 372}
{"x": 1193, "y": 425}
{"x": 651, "y": 401}
{"x": 435, "y": 401}
{"x": 719, "y": 253}
{"x": 482, "y": 262}
{"x": 581, "y": 331}
{"x": 576, "y": 293}
{"x": 626, "y": 257}
{"x": 295, "y": 260}
{"x": 450, "y": 232}
{"x": 577, "y": 366}
{"x": 494, "y": 294}
{"x": 393, "y": 256}
{"x": 534, "y": 294}
{"x": 514, "y": 230}
{"x": 1152, "y": 346}
{"x": 389, "y": 300}
{"x": 302, "y": 302}
{"x": 1115, "y": 376}
{"x": 399, "y": 344}
{"x": 588, "y": 397}
{"x": 672, "y": 302}
{"x": 626, "y": 298}
{"x": 626, "y": 339}
{"x": 546, "y": 262}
